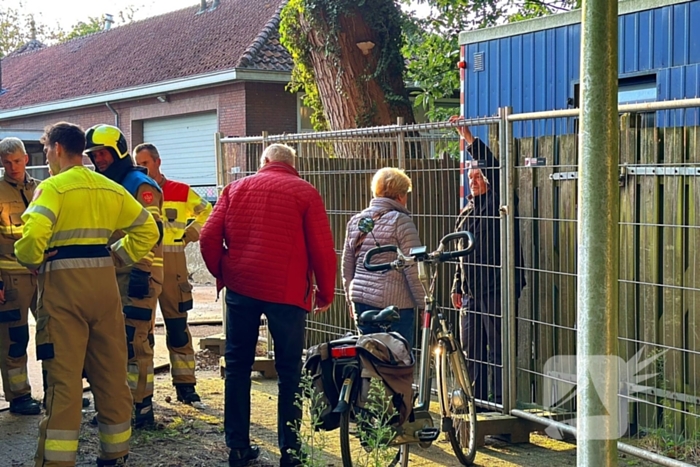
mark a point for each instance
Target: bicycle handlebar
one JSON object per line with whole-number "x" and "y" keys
{"x": 375, "y": 251}
{"x": 466, "y": 236}
{"x": 403, "y": 260}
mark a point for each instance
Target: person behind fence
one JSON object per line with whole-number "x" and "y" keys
{"x": 476, "y": 289}
{"x": 266, "y": 241}
{"x": 80, "y": 323}
{"x": 393, "y": 225}
{"x": 17, "y": 284}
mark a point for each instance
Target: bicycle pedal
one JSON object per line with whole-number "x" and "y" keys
{"x": 427, "y": 435}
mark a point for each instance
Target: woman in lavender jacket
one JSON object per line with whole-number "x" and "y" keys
{"x": 366, "y": 290}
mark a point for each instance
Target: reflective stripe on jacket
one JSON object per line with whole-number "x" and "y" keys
{"x": 181, "y": 204}
{"x": 75, "y": 213}
{"x": 14, "y": 199}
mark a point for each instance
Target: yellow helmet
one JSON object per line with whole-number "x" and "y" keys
{"x": 106, "y": 136}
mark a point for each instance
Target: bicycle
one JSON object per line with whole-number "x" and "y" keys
{"x": 454, "y": 388}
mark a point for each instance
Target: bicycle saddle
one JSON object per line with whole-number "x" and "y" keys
{"x": 388, "y": 315}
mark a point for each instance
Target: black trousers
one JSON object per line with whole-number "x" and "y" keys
{"x": 480, "y": 323}
{"x": 287, "y": 326}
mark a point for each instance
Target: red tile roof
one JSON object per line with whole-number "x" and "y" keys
{"x": 237, "y": 34}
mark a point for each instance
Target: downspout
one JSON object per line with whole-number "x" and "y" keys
{"x": 116, "y": 115}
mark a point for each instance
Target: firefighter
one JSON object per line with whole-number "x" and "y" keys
{"x": 17, "y": 284}
{"x": 180, "y": 206}
{"x": 67, "y": 226}
{"x": 140, "y": 284}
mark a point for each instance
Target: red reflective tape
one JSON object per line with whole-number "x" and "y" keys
{"x": 426, "y": 320}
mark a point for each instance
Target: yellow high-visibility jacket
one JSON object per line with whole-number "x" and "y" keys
{"x": 74, "y": 213}
{"x": 180, "y": 205}
{"x": 14, "y": 199}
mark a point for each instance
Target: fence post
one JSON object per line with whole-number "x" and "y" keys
{"x": 220, "y": 163}
{"x": 264, "y": 134}
{"x": 401, "y": 144}
{"x": 598, "y": 247}
{"x": 508, "y": 261}
{"x": 220, "y": 184}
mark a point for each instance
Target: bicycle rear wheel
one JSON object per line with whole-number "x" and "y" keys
{"x": 457, "y": 403}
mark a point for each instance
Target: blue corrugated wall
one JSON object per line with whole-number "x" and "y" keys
{"x": 538, "y": 71}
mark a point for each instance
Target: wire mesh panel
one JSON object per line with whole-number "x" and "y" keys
{"x": 659, "y": 286}
{"x": 341, "y": 165}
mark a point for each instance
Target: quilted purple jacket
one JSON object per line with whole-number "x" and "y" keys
{"x": 381, "y": 289}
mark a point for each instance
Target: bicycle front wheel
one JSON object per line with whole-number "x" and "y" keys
{"x": 457, "y": 403}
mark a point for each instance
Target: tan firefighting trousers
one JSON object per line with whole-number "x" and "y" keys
{"x": 175, "y": 301}
{"x": 79, "y": 319}
{"x": 20, "y": 297}
{"x": 138, "y": 316}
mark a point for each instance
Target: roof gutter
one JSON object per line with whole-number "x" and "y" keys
{"x": 116, "y": 115}
{"x": 150, "y": 90}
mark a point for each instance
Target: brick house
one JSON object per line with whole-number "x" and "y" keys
{"x": 173, "y": 80}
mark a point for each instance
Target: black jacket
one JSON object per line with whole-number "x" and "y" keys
{"x": 479, "y": 273}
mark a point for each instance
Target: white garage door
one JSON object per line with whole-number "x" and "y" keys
{"x": 186, "y": 147}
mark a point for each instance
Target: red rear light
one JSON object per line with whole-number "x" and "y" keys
{"x": 345, "y": 351}
{"x": 462, "y": 64}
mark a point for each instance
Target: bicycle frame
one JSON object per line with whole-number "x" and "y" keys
{"x": 443, "y": 333}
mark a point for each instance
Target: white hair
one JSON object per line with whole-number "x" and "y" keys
{"x": 11, "y": 145}
{"x": 278, "y": 153}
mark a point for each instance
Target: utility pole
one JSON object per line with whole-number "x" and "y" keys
{"x": 598, "y": 247}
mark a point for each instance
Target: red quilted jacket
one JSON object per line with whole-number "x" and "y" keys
{"x": 267, "y": 238}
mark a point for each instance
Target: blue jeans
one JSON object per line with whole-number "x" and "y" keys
{"x": 406, "y": 326}
{"x": 286, "y": 324}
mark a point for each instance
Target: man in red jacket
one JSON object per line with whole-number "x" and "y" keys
{"x": 266, "y": 241}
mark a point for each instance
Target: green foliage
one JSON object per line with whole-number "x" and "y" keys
{"x": 432, "y": 44}
{"x": 17, "y": 28}
{"x": 374, "y": 427}
{"x": 665, "y": 442}
{"x": 81, "y": 29}
{"x": 303, "y": 79}
{"x": 313, "y": 442}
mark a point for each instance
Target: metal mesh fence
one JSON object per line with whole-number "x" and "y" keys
{"x": 341, "y": 164}
{"x": 536, "y": 261}
{"x": 659, "y": 276}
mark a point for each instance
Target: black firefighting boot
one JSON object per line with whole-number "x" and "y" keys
{"x": 143, "y": 414}
{"x": 120, "y": 461}
{"x": 187, "y": 394}
{"x": 25, "y": 405}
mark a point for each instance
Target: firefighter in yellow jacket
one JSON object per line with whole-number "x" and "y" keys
{"x": 141, "y": 283}
{"x": 17, "y": 284}
{"x": 79, "y": 314}
{"x": 184, "y": 213}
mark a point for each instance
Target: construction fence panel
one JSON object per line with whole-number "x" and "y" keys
{"x": 659, "y": 286}
{"x": 341, "y": 166}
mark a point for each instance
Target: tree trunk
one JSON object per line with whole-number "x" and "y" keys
{"x": 350, "y": 97}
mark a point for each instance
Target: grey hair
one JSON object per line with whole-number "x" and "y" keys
{"x": 278, "y": 153}
{"x": 11, "y": 145}
{"x": 152, "y": 150}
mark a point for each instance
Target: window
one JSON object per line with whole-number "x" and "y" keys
{"x": 631, "y": 90}
{"x": 303, "y": 116}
